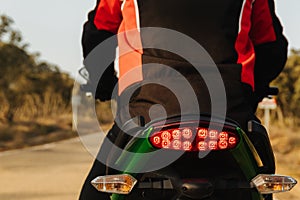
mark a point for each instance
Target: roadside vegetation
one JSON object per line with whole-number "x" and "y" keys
{"x": 35, "y": 96}
{"x": 288, "y": 82}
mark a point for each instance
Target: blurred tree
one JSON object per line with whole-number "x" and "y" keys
{"x": 29, "y": 88}
{"x": 289, "y": 86}
{"x": 5, "y": 25}
{"x": 8, "y": 33}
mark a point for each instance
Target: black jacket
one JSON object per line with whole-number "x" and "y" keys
{"x": 243, "y": 32}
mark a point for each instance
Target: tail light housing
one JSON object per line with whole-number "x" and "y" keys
{"x": 191, "y": 137}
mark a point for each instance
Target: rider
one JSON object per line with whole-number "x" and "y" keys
{"x": 243, "y": 37}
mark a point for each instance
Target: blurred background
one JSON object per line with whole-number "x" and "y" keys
{"x": 41, "y": 156}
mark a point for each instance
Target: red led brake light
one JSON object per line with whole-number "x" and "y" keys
{"x": 194, "y": 139}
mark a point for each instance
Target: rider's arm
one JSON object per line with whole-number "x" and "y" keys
{"x": 91, "y": 36}
{"x": 97, "y": 27}
{"x": 269, "y": 42}
{"x": 95, "y": 31}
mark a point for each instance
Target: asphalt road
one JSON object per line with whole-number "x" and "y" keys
{"x": 49, "y": 172}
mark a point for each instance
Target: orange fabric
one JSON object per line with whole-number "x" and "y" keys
{"x": 131, "y": 70}
{"x": 130, "y": 47}
{"x": 125, "y": 22}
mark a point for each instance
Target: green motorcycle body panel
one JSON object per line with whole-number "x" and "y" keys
{"x": 244, "y": 153}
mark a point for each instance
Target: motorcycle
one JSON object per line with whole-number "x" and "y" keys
{"x": 233, "y": 162}
{"x": 206, "y": 158}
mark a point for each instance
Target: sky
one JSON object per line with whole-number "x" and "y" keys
{"x": 53, "y": 28}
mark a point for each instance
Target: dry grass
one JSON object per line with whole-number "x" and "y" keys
{"x": 23, "y": 131}
{"x": 19, "y": 134}
{"x": 286, "y": 146}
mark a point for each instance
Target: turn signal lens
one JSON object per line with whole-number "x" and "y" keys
{"x": 194, "y": 139}
{"x": 269, "y": 183}
{"x": 117, "y": 184}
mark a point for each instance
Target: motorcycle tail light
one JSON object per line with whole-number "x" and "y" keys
{"x": 117, "y": 184}
{"x": 271, "y": 183}
{"x": 194, "y": 139}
